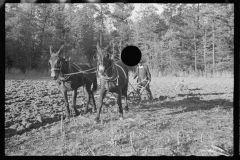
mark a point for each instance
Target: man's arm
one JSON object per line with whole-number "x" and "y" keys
{"x": 148, "y": 73}
{"x": 136, "y": 74}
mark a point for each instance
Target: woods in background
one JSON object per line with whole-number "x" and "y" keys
{"x": 183, "y": 39}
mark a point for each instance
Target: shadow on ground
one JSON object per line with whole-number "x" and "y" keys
{"x": 195, "y": 89}
{"x": 189, "y": 104}
{"x": 199, "y": 94}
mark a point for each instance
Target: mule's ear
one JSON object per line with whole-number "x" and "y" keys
{"x": 94, "y": 57}
{"x": 108, "y": 56}
{"x": 50, "y": 49}
{"x": 98, "y": 48}
{"x": 59, "y": 51}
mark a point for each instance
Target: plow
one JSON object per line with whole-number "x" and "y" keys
{"x": 137, "y": 95}
{"x": 133, "y": 94}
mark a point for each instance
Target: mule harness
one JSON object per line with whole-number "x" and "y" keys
{"x": 114, "y": 77}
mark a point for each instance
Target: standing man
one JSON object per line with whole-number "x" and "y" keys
{"x": 144, "y": 77}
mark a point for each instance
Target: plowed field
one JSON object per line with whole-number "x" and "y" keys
{"x": 198, "y": 121}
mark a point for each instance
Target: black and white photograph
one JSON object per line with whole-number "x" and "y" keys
{"x": 119, "y": 79}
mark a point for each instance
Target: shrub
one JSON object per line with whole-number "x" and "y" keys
{"x": 14, "y": 71}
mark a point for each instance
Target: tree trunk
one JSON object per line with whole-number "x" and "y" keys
{"x": 101, "y": 31}
{"x": 195, "y": 50}
{"x": 33, "y": 53}
{"x": 161, "y": 59}
{"x": 120, "y": 46}
{"x": 43, "y": 30}
{"x": 30, "y": 53}
{"x": 64, "y": 43}
{"x": 137, "y": 34}
{"x": 156, "y": 56}
{"x": 113, "y": 48}
{"x": 205, "y": 42}
{"x": 198, "y": 17}
{"x": 213, "y": 47}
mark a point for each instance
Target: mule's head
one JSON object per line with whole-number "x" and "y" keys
{"x": 104, "y": 60}
{"x": 56, "y": 63}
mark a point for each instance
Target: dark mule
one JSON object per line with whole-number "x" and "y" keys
{"x": 113, "y": 78}
{"x": 61, "y": 70}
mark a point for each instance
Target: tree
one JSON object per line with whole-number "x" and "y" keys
{"x": 181, "y": 38}
{"x": 121, "y": 15}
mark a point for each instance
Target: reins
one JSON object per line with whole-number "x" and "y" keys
{"x": 65, "y": 77}
{"x": 80, "y": 71}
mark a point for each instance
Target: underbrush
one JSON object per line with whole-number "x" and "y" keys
{"x": 15, "y": 73}
{"x": 216, "y": 74}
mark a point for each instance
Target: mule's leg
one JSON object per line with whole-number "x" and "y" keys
{"x": 126, "y": 102}
{"x": 88, "y": 100}
{"x": 64, "y": 93}
{"x": 102, "y": 95}
{"x": 74, "y": 102}
{"x": 119, "y": 102}
{"x": 90, "y": 96}
{"x": 94, "y": 103}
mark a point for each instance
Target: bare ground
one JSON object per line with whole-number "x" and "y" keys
{"x": 194, "y": 122}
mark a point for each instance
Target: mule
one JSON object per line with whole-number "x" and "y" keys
{"x": 113, "y": 78}
{"x": 60, "y": 67}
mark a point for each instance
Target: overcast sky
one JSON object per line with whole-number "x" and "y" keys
{"x": 137, "y": 7}
{"x": 158, "y": 5}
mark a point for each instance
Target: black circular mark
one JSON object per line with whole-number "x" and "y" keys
{"x": 131, "y": 55}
